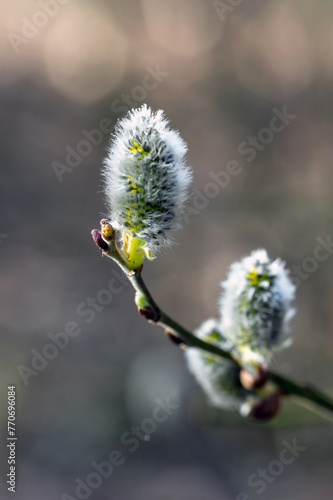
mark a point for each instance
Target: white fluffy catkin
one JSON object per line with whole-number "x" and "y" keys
{"x": 218, "y": 377}
{"x": 255, "y": 306}
{"x": 146, "y": 178}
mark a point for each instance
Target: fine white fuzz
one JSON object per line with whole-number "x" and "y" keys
{"x": 146, "y": 179}
{"x": 255, "y": 307}
{"x": 218, "y": 377}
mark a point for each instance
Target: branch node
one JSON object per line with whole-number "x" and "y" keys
{"x": 175, "y": 339}
{"x": 134, "y": 272}
{"x": 149, "y": 313}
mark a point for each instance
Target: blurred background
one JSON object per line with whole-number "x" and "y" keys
{"x": 221, "y": 72}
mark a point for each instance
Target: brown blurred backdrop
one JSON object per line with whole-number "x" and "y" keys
{"x": 221, "y": 71}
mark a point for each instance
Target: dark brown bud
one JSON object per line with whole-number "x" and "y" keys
{"x": 97, "y": 237}
{"x": 176, "y": 340}
{"x": 149, "y": 313}
{"x": 267, "y": 408}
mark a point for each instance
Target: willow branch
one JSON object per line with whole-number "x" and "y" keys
{"x": 288, "y": 386}
{"x": 154, "y": 314}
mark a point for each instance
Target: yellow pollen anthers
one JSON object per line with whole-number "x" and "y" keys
{"x": 136, "y": 148}
{"x": 107, "y": 229}
{"x": 252, "y": 276}
{"x": 255, "y": 278}
{"x": 133, "y": 188}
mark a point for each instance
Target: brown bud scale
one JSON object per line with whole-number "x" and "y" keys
{"x": 176, "y": 340}
{"x": 149, "y": 313}
{"x": 267, "y": 408}
{"x": 99, "y": 241}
